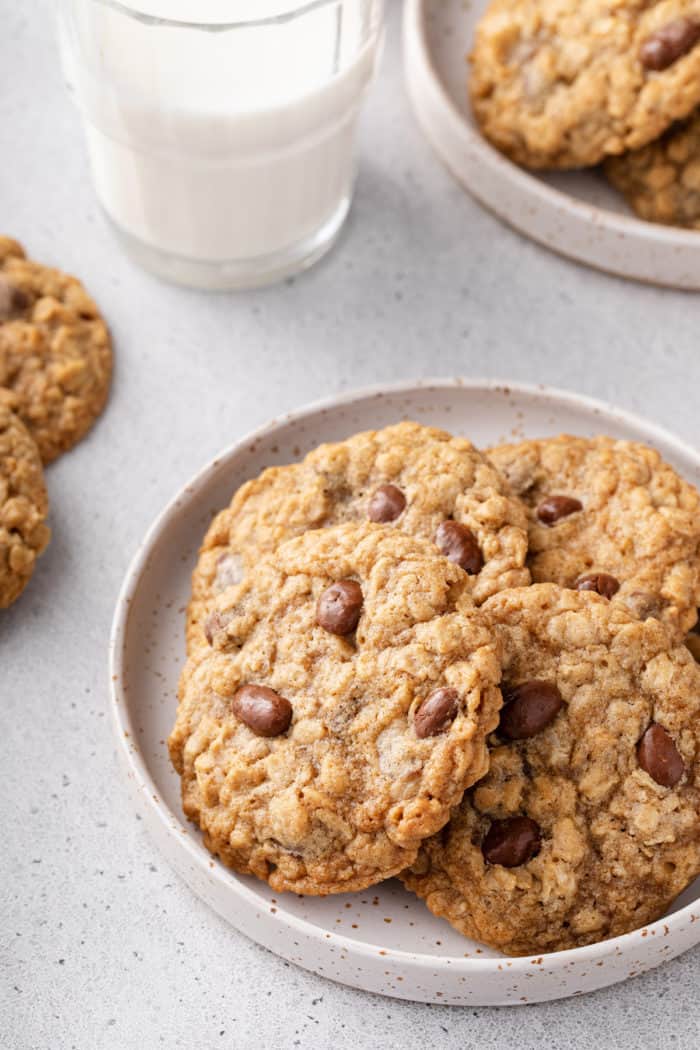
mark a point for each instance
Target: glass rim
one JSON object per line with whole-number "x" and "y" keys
{"x": 145, "y": 11}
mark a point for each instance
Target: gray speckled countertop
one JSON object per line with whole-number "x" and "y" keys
{"x": 101, "y": 945}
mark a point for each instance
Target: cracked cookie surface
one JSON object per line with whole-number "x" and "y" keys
{"x": 23, "y": 507}
{"x": 564, "y": 83}
{"x": 661, "y": 182}
{"x": 313, "y": 759}
{"x": 413, "y": 477}
{"x": 589, "y": 826}
{"x": 638, "y": 522}
{"x": 55, "y": 352}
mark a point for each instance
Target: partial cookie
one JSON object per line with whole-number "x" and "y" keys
{"x": 341, "y": 712}
{"x": 24, "y": 506}
{"x": 587, "y": 824}
{"x": 610, "y": 516}
{"x": 565, "y": 83}
{"x": 662, "y": 180}
{"x": 55, "y": 352}
{"x": 416, "y": 478}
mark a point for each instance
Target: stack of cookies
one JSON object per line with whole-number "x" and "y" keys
{"x": 574, "y": 83}
{"x": 55, "y": 370}
{"x": 407, "y": 657}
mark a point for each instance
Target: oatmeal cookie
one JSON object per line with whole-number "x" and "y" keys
{"x": 610, "y": 516}
{"x": 661, "y": 181}
{"x": 55, "y": 352}
{"x": 587, "y": 824}
{"x": 416, "y": 478}
{"x": 565, "y": 83}
{"x": 23, "y": 507}
{"x": 341, "y": 711}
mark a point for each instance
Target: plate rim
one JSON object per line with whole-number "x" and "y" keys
{"x": 619, "y": 225}
{"x": 126, "y": 733}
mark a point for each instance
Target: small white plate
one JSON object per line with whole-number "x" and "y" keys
{"x": 384, "y": 939}
{"x": 575, "y": 213}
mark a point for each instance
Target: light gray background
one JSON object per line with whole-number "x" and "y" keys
{"x": 102, "y": 946}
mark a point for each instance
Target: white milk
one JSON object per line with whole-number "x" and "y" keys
{"x": 224, "y": 156}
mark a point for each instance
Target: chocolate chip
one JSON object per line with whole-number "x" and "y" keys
{"x": 600, "y": 582}
{"x": 458, "y": 543}
{"x": 669, "y": 43}
{"x": 693, "y": 643}
{"x": 262, "y": 709}
{"x": 339, "y": 607}
{"x": 12, "y": 299}
{"x": 642, "y": 604}
{"x": 529, "y": 708}
{"x": 437, "y": 712}
{"x": 659, "y": 757}
{"x": 212, "y": 624}
{"x": 553, "y": 508}
{"x": 386, "y": 504}
{"x": 511, "y": 842}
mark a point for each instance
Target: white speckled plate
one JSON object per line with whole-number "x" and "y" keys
{"x": 383, "y": 940}
{"x": 575, "y": 213}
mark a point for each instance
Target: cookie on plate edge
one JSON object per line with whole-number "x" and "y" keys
{"x": 661, "y": 181}
{"x": 587, "y": 824}
{"x": 563, "y": 85}
{"x": 611, "y": 516}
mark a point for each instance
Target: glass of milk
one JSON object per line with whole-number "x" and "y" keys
{"x": 221, "y": 133}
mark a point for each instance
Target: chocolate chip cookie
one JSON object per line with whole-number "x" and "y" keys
{"x": 340, "y": 712}
{"x": 55, "y": 351}
{"x": 414, "y": 478}
{"x": 564, "y": 83}
{"x": 613, "y": 517}
{"x": 587, "y": 824}
{"x": 661, "y": 182}
{"x": 23, "y": 507}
